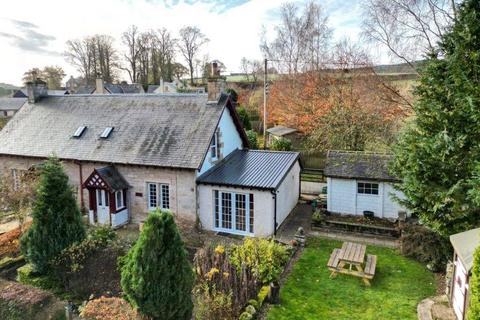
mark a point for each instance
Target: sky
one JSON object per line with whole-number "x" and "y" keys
{"x": 33, "y": 33}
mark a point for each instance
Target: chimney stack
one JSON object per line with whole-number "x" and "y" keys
{"x": 215, "y": 83}
{"x": 100, "y": 87}
{"x": 36, "y": 89}
{"x": 162, "y": 86}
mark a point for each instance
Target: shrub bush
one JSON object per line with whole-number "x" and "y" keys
{"x": 105, "y": 308}
{"x": 211, "y": 303}
{"x": 10, "y": 242}
{"x": 252, "y": 139}
{"x": 281, "y": 144}
{"x": 243, "y": 115}
{"x": 245, "y": 316}
{"x": 26, "y": 275}
{"x": 474, "y": 308}
{"x": 265, "y": 257}
{"x": 426, "y": 246}
{"x": 250, "y": 309}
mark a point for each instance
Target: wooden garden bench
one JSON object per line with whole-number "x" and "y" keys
{"x": 370, "y": 266}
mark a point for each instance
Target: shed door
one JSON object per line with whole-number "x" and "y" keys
{"x": 103, "y": 208}
{"x": 460, "y": 288}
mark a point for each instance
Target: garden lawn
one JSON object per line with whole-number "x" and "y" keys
{"x": 398, "y": 286}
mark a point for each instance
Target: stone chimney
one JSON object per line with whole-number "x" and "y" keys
{"x": 36, "y": 90}
{"x": 162, "y": 86}
{"x": 216, "y": 83}
{"x": 99, "y": 85}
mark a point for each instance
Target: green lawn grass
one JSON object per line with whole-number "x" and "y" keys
{"x": 399, "y": 285}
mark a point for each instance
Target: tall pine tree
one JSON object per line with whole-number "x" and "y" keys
{"x": 57, "y": 221}
{"x": 157, "y": 277}
{"x": 438, "y": 156}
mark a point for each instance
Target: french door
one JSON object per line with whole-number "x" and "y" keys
{"x": 233, "y": 212}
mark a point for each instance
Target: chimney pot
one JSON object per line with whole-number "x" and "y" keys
{"x": 36, "y": 90}
{"x": 216, "y": 84}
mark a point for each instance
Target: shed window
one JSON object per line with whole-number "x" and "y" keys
{"x": 367, "y": 188}
{"x": 158, "y": 196}
{"x": 79, "y": 132}
{"x": 120, "y": 201}
{"x": 233, "y": 212}
{"x": 106, "y": 133}
{"x": 214, "y": 146}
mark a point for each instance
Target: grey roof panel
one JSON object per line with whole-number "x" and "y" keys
{"x": 251, "y": 168}
{"x": 464, "y": 244}
{"x": 7, "y": 104}
{"x": 152, "y": 88}
{"x": 358, "y": 165}
{"x": 281, "y": 131}
{"x": 156, "y": 130}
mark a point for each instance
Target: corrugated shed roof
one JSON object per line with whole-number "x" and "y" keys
{"x": 7, "y": 104}
{"x": 464, "y": 244}
{"x": 280, "y": 131}
{"x": 358, "y": 165}
{"x": 156, "y": 130}
{"x": 251, "y": 168}
{"x": 113, "y": 178}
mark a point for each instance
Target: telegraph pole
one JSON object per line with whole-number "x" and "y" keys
{"x": 265, "y": 106}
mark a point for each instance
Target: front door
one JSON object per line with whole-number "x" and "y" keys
{"x": 103, "y": 209}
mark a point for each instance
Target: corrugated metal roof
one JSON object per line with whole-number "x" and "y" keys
{"x": 251, "y": 168}
{"x": 280, "y": 131}
{"x": 464, "y": 244}
{"x": 156, "y": 130}
{"x": 358, "y": 165}
{"x": 15, "y": 104}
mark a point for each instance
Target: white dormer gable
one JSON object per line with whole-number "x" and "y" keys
{"x": 225, "y": 140}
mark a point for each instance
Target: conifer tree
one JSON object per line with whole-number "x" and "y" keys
{"x": 56, "y": 218}
{"x": 438, "y": 155}
{"x": 157, "y": 277}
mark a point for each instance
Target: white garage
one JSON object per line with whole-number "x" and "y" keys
{"x": 250, "y": 192}
{"x": 359, "y": 182}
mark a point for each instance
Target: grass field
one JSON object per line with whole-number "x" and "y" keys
{"x": 399, "y": 285}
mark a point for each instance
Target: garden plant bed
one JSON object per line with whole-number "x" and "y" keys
{"x": 356, "y": 224}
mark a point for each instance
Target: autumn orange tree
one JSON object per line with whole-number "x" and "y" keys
{"x": 344, "y": 105}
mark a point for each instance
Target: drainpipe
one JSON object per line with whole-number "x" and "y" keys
{"x": 274, "y": 193}
{"x": 82, "y": 203}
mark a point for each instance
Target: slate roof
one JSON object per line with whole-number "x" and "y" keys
{"x": 113, "y": 178}
{"x": 22, "y": 93}
{"x": 358, "y": 165}
{"x": 464, "y": 244}
{"x": 155, "y": 130}
{"x": 7, "y": 104}
{"x": 114, "y": 88}
{"x": 280, "y": 131}
{"x": 152, "y": 88}
{"x": 256, "y": 169}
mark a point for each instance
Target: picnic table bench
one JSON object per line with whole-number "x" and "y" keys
{"x": 350, "y": 256}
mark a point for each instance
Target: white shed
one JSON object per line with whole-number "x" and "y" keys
{"x": 250, "y": 192}
{"x": 464, "y": 245}
{"x": 359, "y": 182}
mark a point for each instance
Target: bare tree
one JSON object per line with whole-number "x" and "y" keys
{"x": 163, "y": 54}
{"x": 190, "y": 42}
{"x": 130, "y": 40}
{"x": 302, "y": 38}
{"x": 245, "y": 67}
{"x": 251, "y": 68}
{"x": 93, "y": 55}
{"x": 407, "y": 28}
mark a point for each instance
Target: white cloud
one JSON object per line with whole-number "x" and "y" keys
{"x": 233, "y": 26}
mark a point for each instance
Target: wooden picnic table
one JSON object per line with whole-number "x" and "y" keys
{"x": 350, "y": 256}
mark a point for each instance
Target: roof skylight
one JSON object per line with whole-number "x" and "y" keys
{"x": 106, "y": 133}
{"x": 78, "y": 133}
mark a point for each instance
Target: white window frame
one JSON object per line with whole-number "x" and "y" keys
{"x": 122, "y": 200}
{"x": 159, "y": 196}
{"x": 214, "y": 146}
{"x": 371, "y": 188}
{"x": 233, "y": 209}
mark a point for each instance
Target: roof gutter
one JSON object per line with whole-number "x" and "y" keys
{"x": 274, "y": 193}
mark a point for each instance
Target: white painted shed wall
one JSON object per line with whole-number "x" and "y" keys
{"x": 288, "y": 193}
{"x": 343, "y": 198}
{"x": 230, "y": 140}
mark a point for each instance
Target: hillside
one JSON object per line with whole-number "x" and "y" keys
{"x": 6, "y": 89}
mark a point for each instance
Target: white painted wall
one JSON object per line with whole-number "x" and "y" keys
{"x": 288, "y": 193}
{"x": 230, "y": 140}
{"x": 460, "y": 288}
{"x": 343, "y": 198}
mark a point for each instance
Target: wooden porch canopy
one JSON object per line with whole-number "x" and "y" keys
{"x": 107, "y": 178}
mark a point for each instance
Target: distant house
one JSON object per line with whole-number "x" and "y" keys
{"x": 279, "y": 131}
{"x": 10, "y": 106}
{"x": 128, "y": 155}
{"x": 22, "y": 93}
{"x": 359, "y": 182}
{"x": 102, "y": 87}
{"x": 163, "y": 87}
{"x": 464, "y": 245}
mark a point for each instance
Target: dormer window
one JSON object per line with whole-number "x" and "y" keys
{"x": 79, "y": 132}
{"x": 106, "y": 133}
{"x": 214, "y": 146}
